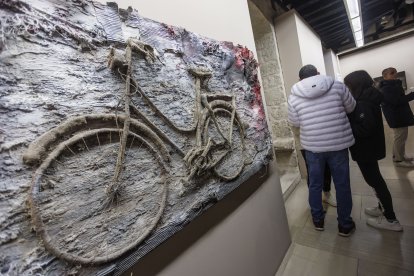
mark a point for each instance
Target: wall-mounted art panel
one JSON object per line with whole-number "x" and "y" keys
{"x": 116, "y": 132}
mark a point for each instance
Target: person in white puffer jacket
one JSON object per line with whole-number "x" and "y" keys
{"x": 319, "y": 105}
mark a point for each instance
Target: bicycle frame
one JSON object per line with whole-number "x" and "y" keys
{"x": 197, "y": 155}
{"x": 205, "y": 106}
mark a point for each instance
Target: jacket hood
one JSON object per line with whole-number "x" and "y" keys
{"x": 312, "y": 87}
{"x": 390, "y": 82}
{"x": 372, "y": 95}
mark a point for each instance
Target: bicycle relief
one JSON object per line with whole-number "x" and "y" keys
{"x": 184, "y": 127}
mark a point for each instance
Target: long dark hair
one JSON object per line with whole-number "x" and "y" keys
{"x": 357, "y": 82}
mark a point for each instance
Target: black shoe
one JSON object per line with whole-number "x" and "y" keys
{"x": 346, "y": 231}
{"x": 319, "y": 224}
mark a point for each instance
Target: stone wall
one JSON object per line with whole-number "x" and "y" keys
{"x": 275, "y": 95}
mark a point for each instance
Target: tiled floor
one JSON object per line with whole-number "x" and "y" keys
{"x": 368, "y": 251}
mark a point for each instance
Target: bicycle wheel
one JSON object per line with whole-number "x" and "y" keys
{"x": 69, "y": 205}
{"x": 229, "y": 161}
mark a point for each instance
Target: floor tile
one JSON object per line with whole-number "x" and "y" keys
{"x": 310, "y": 261}
{"x": 297, "y": 206}
{"x": 401, "y": 188}
{"x": 368, "y": 268}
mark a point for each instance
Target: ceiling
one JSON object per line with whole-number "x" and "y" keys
{"x": 381, "y": 18}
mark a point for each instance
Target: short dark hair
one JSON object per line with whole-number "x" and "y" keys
{"x": 388, "y": 70}
{"x": 357, "y": 82}
{"x": 307, "y": 71}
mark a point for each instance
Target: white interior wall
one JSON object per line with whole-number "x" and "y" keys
{"x": 337, "y": 70}
{"x": 398, "y": 54}
{"x": 331, "y": 64}
{"x": 310, "y": 45}
{"x": 242, "y": 234}
{"x": 289, "y": 51}
{"x": 222, "y": 20}
{"x": 298, "y": 45}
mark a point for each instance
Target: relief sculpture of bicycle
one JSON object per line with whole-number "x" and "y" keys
{"x": 102, "y": 182}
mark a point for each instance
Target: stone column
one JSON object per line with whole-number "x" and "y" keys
{"x": 275, "y": 95}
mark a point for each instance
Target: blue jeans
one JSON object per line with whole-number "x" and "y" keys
{"x": 338, "y": 162}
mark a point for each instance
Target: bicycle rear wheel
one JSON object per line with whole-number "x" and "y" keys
{"x": 229, "y": 161}
{"x": 70, "y": 208}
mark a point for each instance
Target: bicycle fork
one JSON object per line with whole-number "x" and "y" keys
{"x": 113, "y": 189}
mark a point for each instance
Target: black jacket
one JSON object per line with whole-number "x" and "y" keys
{"x": 367, "y": 127}
{"x": 395, "y": 105}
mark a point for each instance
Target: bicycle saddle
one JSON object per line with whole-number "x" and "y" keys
{"x": 200, "y": 72}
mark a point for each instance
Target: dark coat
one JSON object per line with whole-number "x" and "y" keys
{"x": 395, "y": 105}
{"x": 367, "y": 127}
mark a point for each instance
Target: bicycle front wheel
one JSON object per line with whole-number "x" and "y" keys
{"x": 229, "y": 159}
{"x": 70, "y": 207}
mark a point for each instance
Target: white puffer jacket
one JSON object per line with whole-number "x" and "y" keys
{"x": 318, "y": 105}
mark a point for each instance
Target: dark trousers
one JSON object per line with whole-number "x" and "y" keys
{"x": 327, "y": 175}
{"x": 372, "y": 175}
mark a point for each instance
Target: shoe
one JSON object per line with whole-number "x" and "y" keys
{"x": 346, "y": 231}
{"x": 403, "y": 164}
{"x": 329, "y": 198}
{"x": 409, "y": 158}
{"x": 406, "y": 158}
{"x": 319, "y": 225}
{"x": 382, "y": 223}
{"x": 373, "y": 211}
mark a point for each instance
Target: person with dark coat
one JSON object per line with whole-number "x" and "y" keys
{"x": 398, "y": 114}
{"x": 368, "y": 129}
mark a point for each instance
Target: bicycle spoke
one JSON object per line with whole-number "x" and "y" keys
{"x": 57, "y": 162}
{"x": 97, "y": 137}
{"x": 130, "y": 146}
{"x": 70, "y": 149}
{"x": 85, "y": 144}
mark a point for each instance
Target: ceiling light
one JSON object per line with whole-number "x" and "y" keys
{"x": 358, "y": 35}
{"x": 409, "y": 1}
{"x": 356, "y": 23}
{"x": 353, "y": 8}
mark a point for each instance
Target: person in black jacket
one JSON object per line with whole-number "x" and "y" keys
{"x": 398, "y": 114}
{"x": 368, "y": 129}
